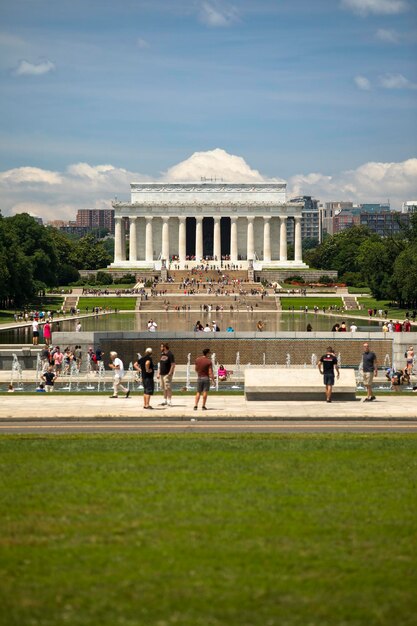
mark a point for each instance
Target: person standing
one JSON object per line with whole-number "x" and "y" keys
{"x": 35, "y": 332}
{"x": 119, "y": 371}
{"x": 166, "y": 372}
{"x": 204, "y": 369}
{"x": 370, "y": 369}
{"x": 327, "y": 366}
{"x": 49, "y": 378}
{"x": 47, "y": 334}
{"x": 146, "y": 367}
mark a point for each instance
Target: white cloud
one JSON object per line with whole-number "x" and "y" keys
{"x": 362, "y": 83}
{"x": 387, "y": 36}
{"x": 217, "y": 14}
{"x": 30, "y": 175}
{"x": 396, "y": 81}
{"x": 142, "y": 43}
{"x": 213, "y": 164}
{"x": 371, "y": 182}
{"x": 34, "y": 69}
{"x": 58, "y": 195}
{"x": 378, "y": 7}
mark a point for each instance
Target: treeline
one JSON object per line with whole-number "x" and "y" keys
{"x": 387, "y": 265}
{"x": 34, "y": 258}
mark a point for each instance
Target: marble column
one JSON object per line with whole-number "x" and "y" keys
{"x": 217, "y": 250}
{"x": 165, "y": 238}
{"x": 149, "y": 240}
{"x": 283, "y": 238}
{"x": 133, "y": 241}
{"x": 182, "y": 240}
{"x": 117, "y": 239}
{"x": 250, "y": 241}
{"x": 267, "y": 238}
{"x": 233, "y": 239}
{"x": 198, "y": 238}
{"x": 298, "y": 248}
{"x": 123, "y": 239}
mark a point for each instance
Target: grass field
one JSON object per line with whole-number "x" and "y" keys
{"x": 125, "y": 303}
{"x": 311, "y": 302}
{"x": 200, "y": 530}
{"x": 53, "y": 303}
{"x": 371, "y": 303}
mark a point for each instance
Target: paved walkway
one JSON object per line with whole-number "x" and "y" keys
{"x": 229, "y": 408}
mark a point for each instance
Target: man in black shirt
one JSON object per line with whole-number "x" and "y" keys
{"x": 146, "y": 366}
{"x": 166, "y": 371}
{"x": 370, "y": 369}
{"x": 327, "y": 365}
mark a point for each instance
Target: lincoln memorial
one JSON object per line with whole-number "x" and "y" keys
{"x": 189, "y": 223}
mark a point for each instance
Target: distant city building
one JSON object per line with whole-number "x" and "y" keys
{"x": 71, "y": 228}
{"x": 310, "y": 220}
{"x": 386, "y": 223}
{"x": 378, "y": 217}
{"x": 410, "y": 206}
{"x": 96, "y": 219}
{"x": 327, "y": 214}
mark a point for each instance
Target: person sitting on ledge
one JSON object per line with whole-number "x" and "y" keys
{"x": 222, "y": 373}
{"x": 260, "y": 326}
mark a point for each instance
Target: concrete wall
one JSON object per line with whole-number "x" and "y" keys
{"x": 251, "y": 346}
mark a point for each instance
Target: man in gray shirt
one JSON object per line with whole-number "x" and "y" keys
{"x": 370, "y": 369}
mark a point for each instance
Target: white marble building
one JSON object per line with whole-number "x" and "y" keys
{"x": 187, "y": 223}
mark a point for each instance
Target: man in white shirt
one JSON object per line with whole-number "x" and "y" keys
{"x": 119, "y": 371}
{"x": 353, "y": 328}
{"x": 35, "y": 332}
{"x": 207, "y": 329}
{"x": 152, "y": 326}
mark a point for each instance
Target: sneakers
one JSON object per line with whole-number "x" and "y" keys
{"x": 127, "y": 393}
{"x": 164, "y": 403}
{"x": 204, "y": 408}
{"x": 195, "y": 408}
{"x": 372, "y": 398}
{"x": 169, "y": 403}
{"x": 148, "y": 407}
{"x": 114, "y": 397}
{"x": 367, "y": 400}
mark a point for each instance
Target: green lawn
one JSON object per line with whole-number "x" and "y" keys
{"x": 200, "y": 530}
{"x": 53, "y": 303}
{"x": 311, "y": 302}
{"x": 114, "y": 302}
{"x": 355, "y": 290}
{"x": 371, "y": 303}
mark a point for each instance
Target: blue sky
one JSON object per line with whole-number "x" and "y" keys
{"x": 293, "y": 87}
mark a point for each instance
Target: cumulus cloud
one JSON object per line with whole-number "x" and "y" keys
{"x": 213, "y": 164}
{"x": 378, "y": 7}
{"x": 25, "y": 68}
{"x": 58, "y": 195}
{"x": 362, "y": 83}
{"x": 387, "y": 36}
{"x": 371, "y": 182}
{"x": 396, "y": 81}
{"x": 217, "y": 14}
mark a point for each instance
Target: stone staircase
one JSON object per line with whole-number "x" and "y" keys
{"x": 180, "y": 275}
{"x": 70, "y": 302}
{"x": 350, "y": 302}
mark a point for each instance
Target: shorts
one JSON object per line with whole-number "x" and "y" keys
{"x": 36, "y": 333}
{"x": 368, "y": 378}
{"x": 203, "y": 384}
{"x": 148, "y": 386}
{"x": 49, "y": 388}
{"x": 166, "y": 381}
{"x": 328, "y": 379}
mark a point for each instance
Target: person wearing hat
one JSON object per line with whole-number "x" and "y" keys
{"x": 147, "y": 369}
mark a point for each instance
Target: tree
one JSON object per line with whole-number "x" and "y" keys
{"x": 90, "y": 254}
